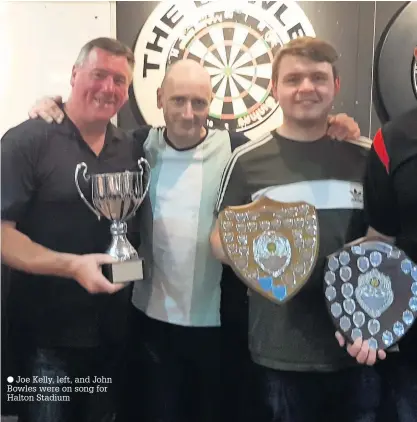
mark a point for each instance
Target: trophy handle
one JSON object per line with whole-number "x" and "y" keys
{"x": 148, "y": 170}
{"x": 86, "y": 178}
{"x": 141, "y": 171}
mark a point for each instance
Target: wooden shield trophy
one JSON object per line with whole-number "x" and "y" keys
{"x": 371, "y": 292}
{"x": 272, "y": 246}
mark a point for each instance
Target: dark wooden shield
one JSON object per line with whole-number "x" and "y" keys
{"x": 371, "y": 292}
{"x": 273, "y": 246}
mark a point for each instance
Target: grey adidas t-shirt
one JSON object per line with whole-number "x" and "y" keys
{"x": 299, "y": 335}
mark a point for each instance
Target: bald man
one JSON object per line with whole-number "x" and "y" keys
{"x": 177, "y": 316}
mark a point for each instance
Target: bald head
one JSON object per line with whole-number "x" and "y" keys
{"x": 187, "y": 69}
{"x": 184, "y": 97}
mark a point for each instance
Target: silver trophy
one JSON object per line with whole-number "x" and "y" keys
{"x": 117, "y": 197}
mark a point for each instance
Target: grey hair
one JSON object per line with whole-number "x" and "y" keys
{"x": 110, "y": 45}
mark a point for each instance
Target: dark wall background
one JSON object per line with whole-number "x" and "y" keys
{"x": 130, "y": 18}
{"x": 354, "y": 28}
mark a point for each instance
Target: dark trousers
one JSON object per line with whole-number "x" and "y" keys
{"x": 178, "y": 371}
{"x": 89, "y": 400}
{"x": 238, "y": 401}
{"x": 351, "y": 395}
{"x": 400, "y": 379}
{"x": 238, "y": 370}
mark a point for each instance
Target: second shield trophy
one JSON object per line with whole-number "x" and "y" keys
{"x": 371, "y": 292}
{"x": 117, "y": 197}
{"x": 272, "y": 246}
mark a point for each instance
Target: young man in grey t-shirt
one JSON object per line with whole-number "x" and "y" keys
{"x": 304, "y": 376}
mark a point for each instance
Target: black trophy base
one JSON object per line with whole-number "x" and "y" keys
{"x": 124, "y": 272}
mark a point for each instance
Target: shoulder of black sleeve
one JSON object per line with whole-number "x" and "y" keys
{"x": 28, "y": 133}
{"x": 396, "y": 141}
{"x": 357, "y": 150}
{"x": 237, "y": 140}
{"x": 358, "y": 225}
{"x": 21, "y": 149}
{"x": 139, "y": 137}
{"x": 233, "y": 186}
{"x": 380, "y": 205}
{"x": 141, "y": 133}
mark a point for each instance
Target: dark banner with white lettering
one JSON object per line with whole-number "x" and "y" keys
{"x": 236, "y": 42}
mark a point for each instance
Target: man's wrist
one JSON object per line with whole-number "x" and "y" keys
{"x": 67, "y": 265}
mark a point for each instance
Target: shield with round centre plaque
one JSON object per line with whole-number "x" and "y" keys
{"x": 272, "y": 246}
{"x": 371, "y": 292}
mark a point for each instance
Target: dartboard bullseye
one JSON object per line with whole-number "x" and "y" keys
{"x": 239, "y": 60}
{"x": 235, "y": 46}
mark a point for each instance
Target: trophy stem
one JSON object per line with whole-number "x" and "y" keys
{"x": 120, "y": 247}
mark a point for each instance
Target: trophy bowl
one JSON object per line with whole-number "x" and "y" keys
{"x": 117, "y": 197}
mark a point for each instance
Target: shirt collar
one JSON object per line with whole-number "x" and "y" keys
{"x": 112, "y": 132}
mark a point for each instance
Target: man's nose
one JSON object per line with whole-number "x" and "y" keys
{"x": 306, "y": 85}
{"x": 188, "y": 111}
{"x": 108, "y": 84}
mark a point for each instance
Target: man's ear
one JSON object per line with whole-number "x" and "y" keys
{"x": 275, "y": 91}
{"x": 159, "y": 98}
{"x": 73, "y": 75}
{"x": 336, "y": 85}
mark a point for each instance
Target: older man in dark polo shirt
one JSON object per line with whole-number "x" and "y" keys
{"x": 55, "y": 244}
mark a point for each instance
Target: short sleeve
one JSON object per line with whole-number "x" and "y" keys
{"x": 237, "y": 140}
{"x": 233, "y": 187}
{"x": 379, "y": 196}
{"x": 18, "y": 173}
{"x": 139, "y": 136}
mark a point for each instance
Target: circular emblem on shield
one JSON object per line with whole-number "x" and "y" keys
{"x": 271, "y": 245}
{"x": 371, "y": 292}
{"x": 236, "y": 45}
{"x": 396, "y": 86}
{"x": 272, "y": 252}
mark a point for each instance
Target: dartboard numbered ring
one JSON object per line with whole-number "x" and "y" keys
{"x": 235, "y": 45}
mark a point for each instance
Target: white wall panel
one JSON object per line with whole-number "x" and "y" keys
{"x": 39, "y": 42}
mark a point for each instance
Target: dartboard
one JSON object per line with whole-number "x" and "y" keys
{"x": 235, "y": 44}
{"x": 396, "y": 85}
{"x": 239, "y": 61}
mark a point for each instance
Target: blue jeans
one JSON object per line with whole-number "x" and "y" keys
{"x": 351, "y": 395}
{"x": 71, "y": 405}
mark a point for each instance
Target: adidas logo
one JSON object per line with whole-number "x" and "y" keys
{"x": 357, "y": 195}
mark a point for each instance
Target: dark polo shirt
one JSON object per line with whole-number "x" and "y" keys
{"x": 40, "y": 195}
